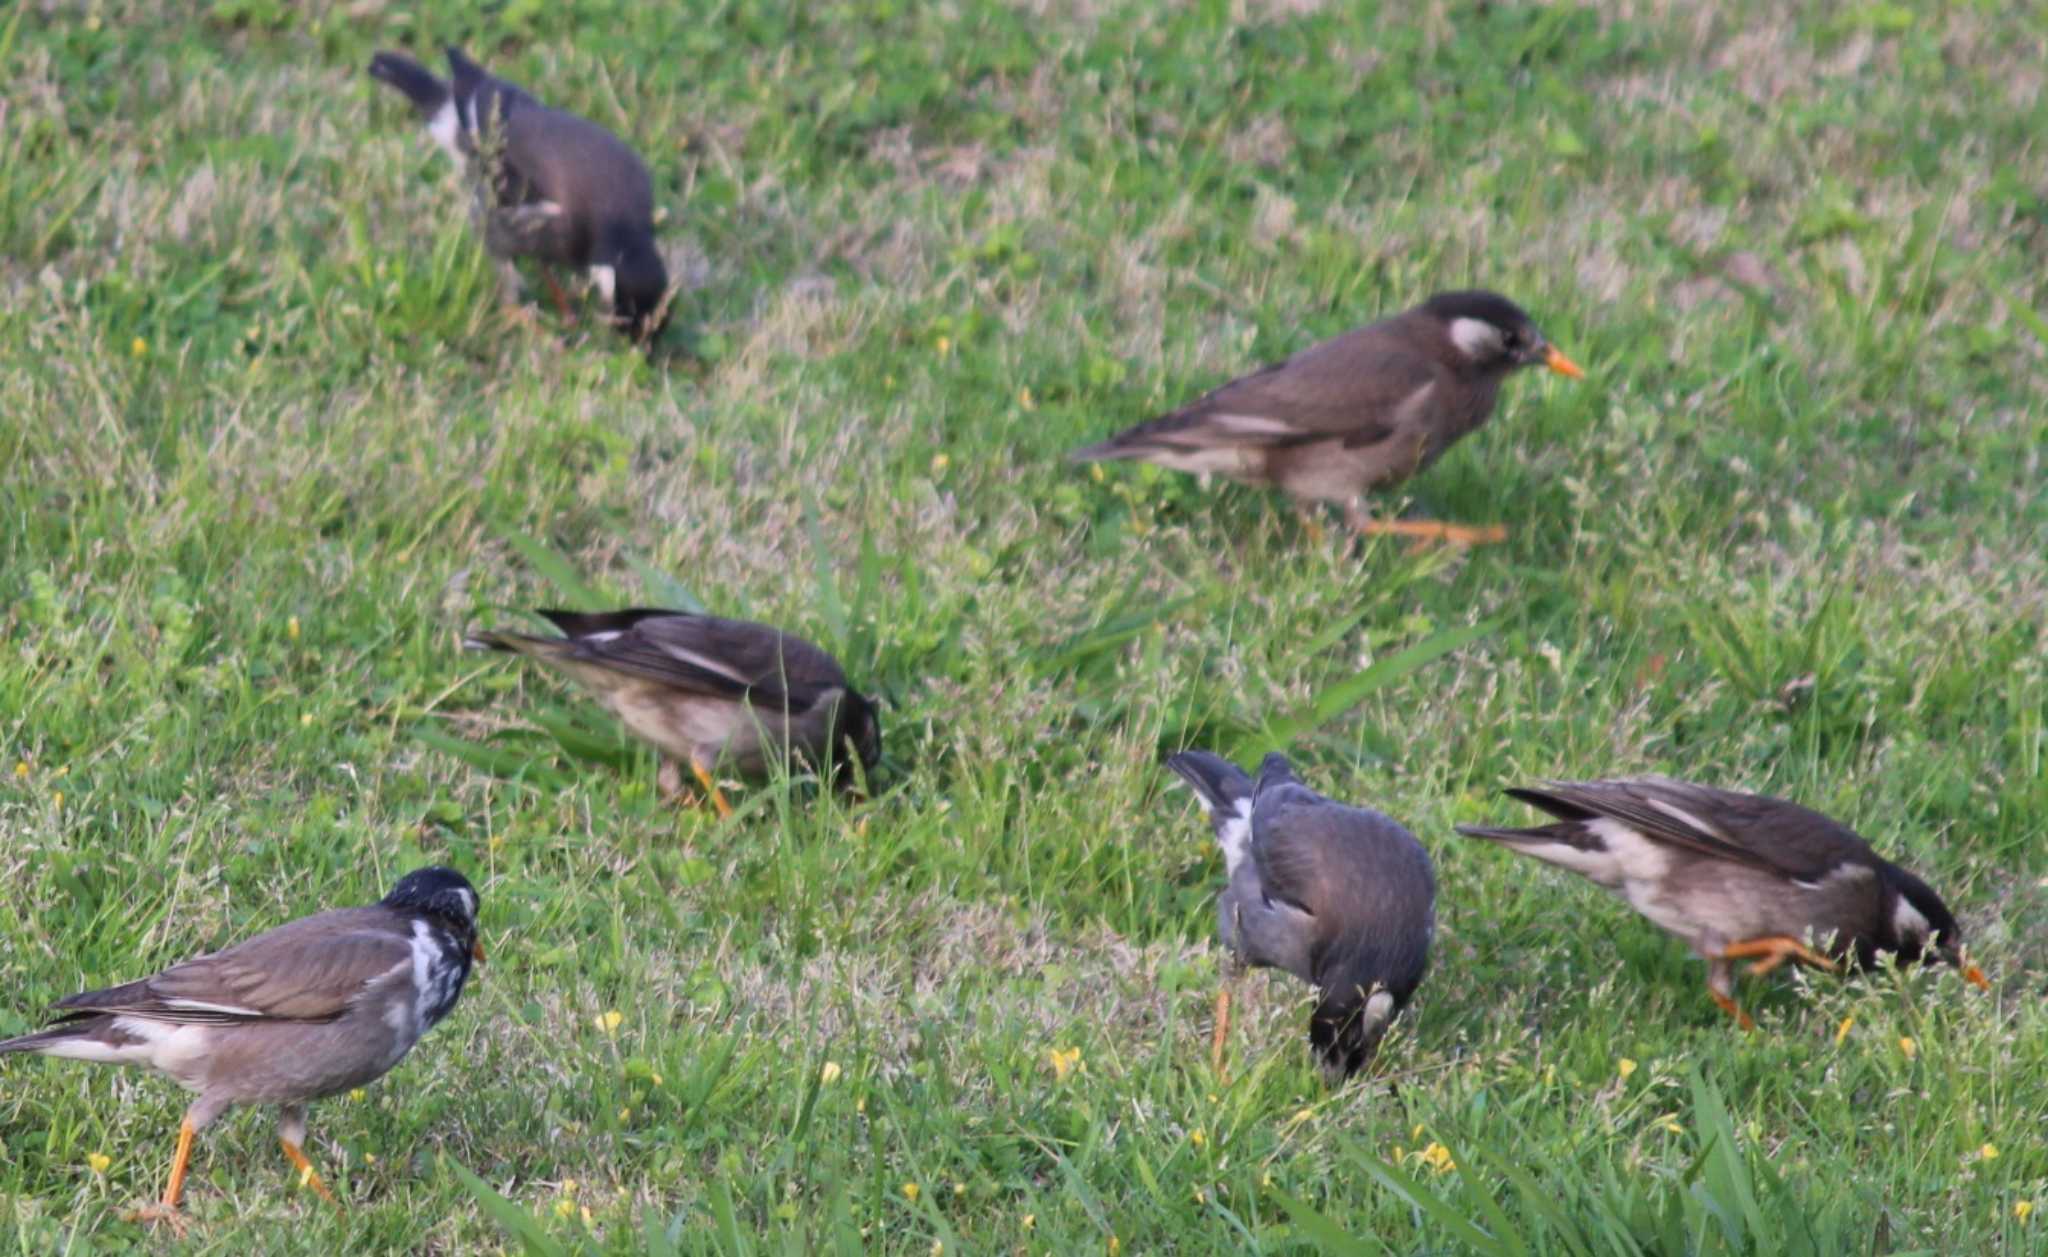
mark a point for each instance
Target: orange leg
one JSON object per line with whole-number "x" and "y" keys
{"x": 1434, "y": 530}
{"x": 560, "y": 298}
{"x": 1975, "y": 977}
{"x": 1775, "y": 950}
{"x": 307, "y": 1178}
{"x": 711, "y": 790}
{"x": 1728, "y": 1006}
{"x": 166, "y": 1212}
{"x": 1220, "y": 1037}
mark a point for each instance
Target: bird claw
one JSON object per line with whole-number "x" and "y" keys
{"x": 156, "y": 1214}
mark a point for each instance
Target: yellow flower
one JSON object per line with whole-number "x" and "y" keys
{"x": 138, "y": 347}
{"x": 357, "y": 1094}
{"x": 1064, "y": 1061}
{"x": 1266, "y": 1180}
{"x": 608, "y": 1021}
{"x": 56, "y": 798}
{"x": 305, "y": 718}
{"x": 1437, "y": 1158}
{"x": 1030, "y": 1221}
{"x": 1671, "y": 1124}
{"x": 1842, "y": 1031}
{"x": 1417, "y": 1132}
{"x": 1988, "y": 1152}
{"x": 938, "y": 1246}
{"x": 1197, "y": 1138}
{"x": 861, "y": 1105}
{"x": 1910, "y": 1048}
{"x": 944, "y": 346}
{"x": 910, "y": 1191}
{"x": 1300, "y": 1116}
{"x": 959, "y": 1189}
{"x": 369, "y": 1158}
{"x": 2022, "y": 1209}
{"x": 98, "y": 1161}
{"x": 939, "y": 463}
{"x": 565, "y": 1208}
{"x": 1095, "y": 470}
{"x": 1201, "y": 1197}
{"x": 291, "y": 628}
{"x": 587, "y": 1219}
{"x": 1115, "y": 1246}
{"x": 568, "y": 1185}
{"x": 1625, "y": 1067}
{"x": 625, "y": 1115}
{"x": 21, "y": 769}
{"x": 1024, "y": 399}
{"x": 829, "y": 1074}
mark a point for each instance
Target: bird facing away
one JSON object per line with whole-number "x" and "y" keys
{"x": 1737, "y": 876}
{"x": 710, "y": 693}
{"x": 550, "y": 185}
{"x": 1341, "y": 897}
{"x": 1364, "y": 411}
{"x": 314, "y": 1007}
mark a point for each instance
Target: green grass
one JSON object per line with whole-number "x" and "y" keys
{"x": 269, "y": 448}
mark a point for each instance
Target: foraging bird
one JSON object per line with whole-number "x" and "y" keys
{"x": 1341, "y": 897}
{"x": 550, "y": 185}
{"x": 710, "y": 692}
{"x": 1737, "y": 876}
{"x": 314, "y": 1007}
{"x": 1366, "y": 410}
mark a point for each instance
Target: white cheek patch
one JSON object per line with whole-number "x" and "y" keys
{"x": 1234, "y": 835}
{"x": 1379, "y": 1009}
{"x": 1476, "y": 338}
{"x": 444, "y": 128}
{"x": 607, "y": 281}
{"x": 1909, "y": 922}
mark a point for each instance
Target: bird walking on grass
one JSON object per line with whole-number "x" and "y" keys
{"x": 312, "y": 1008}
{"x": 1737, "y": 876}
{"x": 710, "y": 693}
{"x": 1343, "y": 898}
{"x": 549, "y": 185}
{"x": 1364, "y": 411}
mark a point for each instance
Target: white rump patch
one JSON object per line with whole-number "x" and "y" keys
{"x": 444, "y": 127}
{"x": 1477, "y": 338}
{"x": 1910, "y": 922}
{"x": 1234, "y": 835}
{"x": 606, "y": 279}
{"x": 1219, "y": 460}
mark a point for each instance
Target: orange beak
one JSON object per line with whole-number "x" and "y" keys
{"x": 1554, "y": 358}
{"x": 1975, "y": 977}
{"x": 476, "y": 950}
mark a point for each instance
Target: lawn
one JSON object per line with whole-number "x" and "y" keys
{"x": 271, "y": 445}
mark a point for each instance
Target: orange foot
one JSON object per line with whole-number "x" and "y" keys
{"x": 711, "y": 790}
{"x": 1728, "y": 1006}
{"x": 154, "y": 1215}
{"x": 307, "y": 1178}
{"x": 1424, "y": 530}
{"x": 1775, "y": 950}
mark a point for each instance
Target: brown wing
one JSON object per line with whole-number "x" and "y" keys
{"x": 577, "y": 164}
{"x": 305, "y": 970}
{"x": 1763, "y": 832}
{"x": 1361, "y": 386}
{"x": 705, "y": 654}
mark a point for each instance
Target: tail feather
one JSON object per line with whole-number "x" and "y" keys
{"x": 1220, "y": 784}
{"x": 1104, "y": 451}
{"x": 75, "y": 1026}
{"x": 513, "y": 643}
{"x": 420, "y": 86}
{"x": 1534, "y": 833}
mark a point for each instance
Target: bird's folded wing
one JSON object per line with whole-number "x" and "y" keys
{"x": 1358, "y": 390}
{"x": 1764, "y": 833}
{"x": 728, "y": 659}
{"x": 293, "y": 973}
